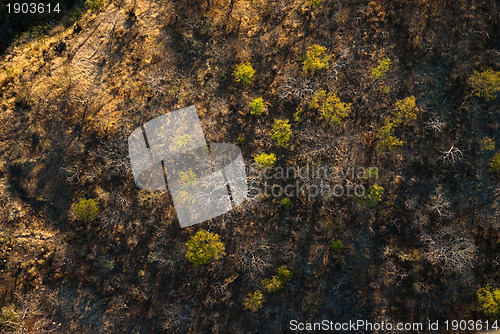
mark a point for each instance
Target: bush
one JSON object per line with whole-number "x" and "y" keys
{"x": 405, "y": 110}
{"x": 316, "y": 59}
{"x": 281, "y": 133}
{"x": 276, "y": 282}
{"x": 286, "y": 202}
{"x": 314, "y": 3}
{"x": 265, "y": 160}
{"x": 257, "y": 106}
{"x": 486, "y": 84}
{"x": 487, "y": 144}
{"x": 489, "y": 299}
{"x": 330, "y": 106}
{"x": 386, "y": 140}
{"x": 373, "y": 197}
{"x": 380, "y": 71}
{"x": 95, "y": 5}
{"x": 203, "y": 247}
{"x": 244, "y": 73}
{"x": 87, "y": 209}
{"x": 336, "y": 245}
{"x": 253, "y": 301}
{"x": 494, "y": 165}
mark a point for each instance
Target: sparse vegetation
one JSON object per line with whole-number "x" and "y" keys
{"x": 487, "y": 144}
{"x": 95, "y": 5}
{"x": 494, "y": 164}
{"x": 373, "y": 196}
{"x": 336, "y": 245}
{"x": 204, "y": 247}
{"x": 276, "y": 282}
{"x": 380, "y": 71}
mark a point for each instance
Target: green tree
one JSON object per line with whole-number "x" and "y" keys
{"x": 286, "y": 202}
{"x": 486, "y": 84}
{"x": 336, "y": 245}
{"x": 316, "y": 59}
{"x": 253, "y": 301}
{"x": 489, "y": 300}
{"x": 373, "y": 197}
{"x": 330, "y": 106}
{"x": 257, "y": 106}
{"x": 95, "y": 5}
{"x": 380, "y": 71}
{"x": 265, "y": 160}
{"x": 405, "y": 110}
{"x": 86, "y": 209}
{"x": 487, "y": 144}
{"x": 314, "y": 3}
{"x": 386, "y": 140}
{"x": 203, "y": 247}
{"x": 275, "y": 283}
{"x": 281, "y": 133}
{"x": 494, "y": 165}
{"x": 244, "y": 73}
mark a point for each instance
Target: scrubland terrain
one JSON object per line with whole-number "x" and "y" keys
{"x": 400, "y": 93}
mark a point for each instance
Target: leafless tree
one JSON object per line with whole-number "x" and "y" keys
{"x": 295, "y": 88}
{"x": 451, "y": 250}
{"x": 435, "y": 123}
{"x": 439, "y": 204}
{"x": 253, "y": 259}
{"x": 452, "y": 155}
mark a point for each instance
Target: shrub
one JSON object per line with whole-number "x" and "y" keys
{"x": 95, "y": 5}
{"x": 244, "y": 73}
{"x": 405, "y": 110}
{"x": 276, "y": 282}
{"x": 380, "y": 71}
{"x": 265, "y": 160}
{"x": 253, "y": 301}
{"x": 316, "y": 59}
{"x": 486, "y": 84}
{"x": 336, "y": 245}
{"x": 494, "y": 165}
{"x": 183, "y": 141}
{"x": 489, "y": 299}
{"x": 281, "y": 133}
{"x": 314, "y": 3}
{"x": 87, "y": 209}
{"x": 331, "y": 107}
{"x": 487, "y": 144}
{"x": 257, "y": 106}
{"x": 373, "y": 197}
{"x": 286, "y": 202}
{"x": 203, "y": 247}
{"x": 386, "y": 140}
{"x": 8, "y": 319}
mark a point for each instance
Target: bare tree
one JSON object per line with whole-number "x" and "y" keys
{"x": 452, "y": 155}
{"x": 435, "y": 123}
{"x": 439, "y": 204}
{"x": 451, "y": 250}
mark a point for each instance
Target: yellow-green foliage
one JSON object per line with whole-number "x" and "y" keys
{"x": 489, "y": 299}
{"x": 183, "y": 141}
{"x": 330, "y": 106}
{"x": 386, "y": 140}
{"x": 380, "y": 71}
{"x": 373, "y": 197}
{"x": 244, "y": 73}
{"x": 286, "y": 202}
{"x": 257, "y": 106}
{"x": 8, "y": 319}
{"x": 86, "y": 209}
{"x": 314, "y": 3}
{"x": 316, "y": 59}
{"x": 494, "y": 165}
{"x": 486, "y": 84}
{"x": 95, "y": 5}
{"x": 281, "y": 133}
{"x": 405, "y": 110}
{"x": 487, "y": 144}
{"x": 204, "y": 247}
{"x": 336, "y": 245}
{"x": 265, "y": 160}
{"x": 188, "y": 179}
{"x": 253, "y": 301}
{"x": 276, "y": 282}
